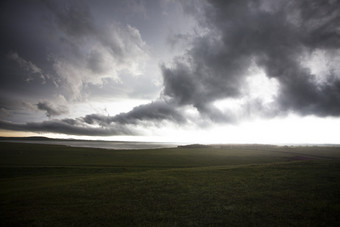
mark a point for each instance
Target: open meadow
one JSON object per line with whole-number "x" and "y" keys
{"x": 250, "y": 185}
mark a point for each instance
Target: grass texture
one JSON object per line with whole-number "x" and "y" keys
{"x": 51, "y": 185}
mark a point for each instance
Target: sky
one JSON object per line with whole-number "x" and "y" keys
{"x": 200, "y": 71}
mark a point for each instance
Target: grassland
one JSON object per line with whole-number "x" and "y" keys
{"x": 50, "y": 185}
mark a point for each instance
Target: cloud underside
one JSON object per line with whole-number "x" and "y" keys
{"x": 61, "y": 45}
{"x": 237, "y": 35}
{"x": 100, "y": 125}
{"x": 244, "y": 32}
{"x": 52, "y": 110}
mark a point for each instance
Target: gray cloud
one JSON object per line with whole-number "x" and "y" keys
{"x": 28, "y": 66}
{"x": 155, "y": 111}
{"x": 273, "y": 35}
{"x": 100, "y": 125}
{"x": 73, "y": 18}
{"x": 67, "y": 126}
{"x": 149, "y": 113}
{"x": 65, "y": 45}
{"x": 93, "y": 50}
{"x": 52, "y": 110}
{"x": 241, "y": 32}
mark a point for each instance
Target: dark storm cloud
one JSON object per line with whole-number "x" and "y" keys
{"x": 28, "y": 66}
{"x": 153, "y": 112}
{"x": 67, "y": 126}
{"x": 24, "y": 65}
{"x": 52, "y": 110}
{"x": 63, "y": 49}
{"x": 99, "y": 125}
{"x": 51, "y": 48}
{"x": 74, "y": 19}
{"x": 272, "y": 35}
{"x": 321, "y": 19}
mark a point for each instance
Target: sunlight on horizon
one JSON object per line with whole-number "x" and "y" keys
{"x": 290, "y": 130}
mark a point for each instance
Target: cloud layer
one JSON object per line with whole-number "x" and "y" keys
{"x": 52, "y": 110}
{"x": 272, "y": 36}
{"x": 278, "y": 38}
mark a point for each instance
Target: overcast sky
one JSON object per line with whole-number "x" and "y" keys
{"x": 245, "y": 71}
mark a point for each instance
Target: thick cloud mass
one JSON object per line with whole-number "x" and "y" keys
{"x": 272, "y": 35}
{"x": 64, "y": 47}
{"x": 52, "y": 110}
{"x": 278, "y": 37}
{"x": 67, "y": 126}
{"x": 154, "y": 112}
{"x": 99, "y": 125}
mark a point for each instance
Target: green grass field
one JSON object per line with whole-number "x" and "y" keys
{"x": 50, "y": 185}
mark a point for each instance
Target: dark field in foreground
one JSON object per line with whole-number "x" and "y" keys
{"x": 205, "y": 186}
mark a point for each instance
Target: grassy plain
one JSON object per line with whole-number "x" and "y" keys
{"x": 50, "y": 185}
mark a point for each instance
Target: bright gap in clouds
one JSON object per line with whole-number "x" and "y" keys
{"x": 322, "y": 64}
{"x": 259, "y": 86}
{"x": 292, "y": 129}
{"x": 259, "y": 89}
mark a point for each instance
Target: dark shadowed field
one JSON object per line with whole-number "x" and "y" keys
{"x": 51, "y": 185}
